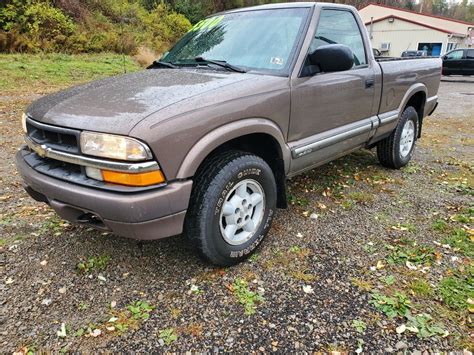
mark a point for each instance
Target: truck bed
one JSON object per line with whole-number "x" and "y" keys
{"x": 401, "y": 74}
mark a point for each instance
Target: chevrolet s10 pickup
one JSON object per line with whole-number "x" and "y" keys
{"x": 204, "y": 140}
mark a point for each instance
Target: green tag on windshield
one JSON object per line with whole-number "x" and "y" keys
{"x": 207, "y": 24}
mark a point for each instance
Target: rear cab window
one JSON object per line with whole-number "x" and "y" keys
{"x": 340, "y": 27}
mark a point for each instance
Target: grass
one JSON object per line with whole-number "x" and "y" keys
{"x": 461, "y": 241}
{"x": 407, "y": 250}
{"x": 28, "y": 72}
{"x": 457, "y": 291}
{"x": 421, "y": 288}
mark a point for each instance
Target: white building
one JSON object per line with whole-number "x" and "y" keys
{"x": 393, "y": 30}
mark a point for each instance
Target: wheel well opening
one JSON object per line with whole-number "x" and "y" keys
{"x": 417, "y": 101}
{"x": 267, "y": 148}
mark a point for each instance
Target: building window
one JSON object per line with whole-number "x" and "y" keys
{"x": 451, "y": 46}
{"x": 431, "y": 49}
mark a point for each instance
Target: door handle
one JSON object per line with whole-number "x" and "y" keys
{"x": 369, "y": 83}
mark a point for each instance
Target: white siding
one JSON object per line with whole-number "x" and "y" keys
{"x": 404, "y": 36}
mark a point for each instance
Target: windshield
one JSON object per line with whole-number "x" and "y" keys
{"x": 262, "y": 40}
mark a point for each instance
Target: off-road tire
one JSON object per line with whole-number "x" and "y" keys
{"x": 213, "y": 181}
{"x": 388, "y": 149}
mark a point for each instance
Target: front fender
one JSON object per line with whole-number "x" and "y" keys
{"x": 225, "y": 133}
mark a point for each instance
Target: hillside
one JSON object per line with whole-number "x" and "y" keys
{"x": 125, "y": 26}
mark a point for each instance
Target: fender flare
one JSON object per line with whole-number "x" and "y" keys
{"x": 225, "y": 133}
{"x": 414, "y": 89}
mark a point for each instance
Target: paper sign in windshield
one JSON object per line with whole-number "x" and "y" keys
{"x": 207, "y": 24}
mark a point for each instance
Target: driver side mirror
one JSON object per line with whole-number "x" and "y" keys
{"x": 332, "y": 58}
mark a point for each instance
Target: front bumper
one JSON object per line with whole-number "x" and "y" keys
{"x": 146, "y": 215}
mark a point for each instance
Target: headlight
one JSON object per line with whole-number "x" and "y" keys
{"x": 23, "y": 122}
{"x": 113, "y": 147}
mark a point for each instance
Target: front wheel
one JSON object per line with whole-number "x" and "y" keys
{"x": 396, "y": 150}
{"x": 232, "y": 206}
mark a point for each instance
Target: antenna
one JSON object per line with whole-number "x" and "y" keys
{"x": 122, "y": 49}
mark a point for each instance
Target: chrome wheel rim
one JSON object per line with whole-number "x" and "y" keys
{"x": 242, "y": 212}
{"x": 407, "y": 139}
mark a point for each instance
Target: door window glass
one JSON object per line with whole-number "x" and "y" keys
{"x": 455, "y": 55}
{"x": 340, "y": 27}
{"x": 470, "y": 54}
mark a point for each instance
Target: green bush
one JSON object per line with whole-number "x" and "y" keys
{"x": 88, "y": 26}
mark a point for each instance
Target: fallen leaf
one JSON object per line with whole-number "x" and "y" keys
{"x": 62, "y": 332}
{"x": 401, "y": 329}
{"x": 96, "y": 332}
{"x": 308, "y": 289}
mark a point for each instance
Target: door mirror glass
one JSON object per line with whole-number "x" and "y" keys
{"x": 332, "y": 58}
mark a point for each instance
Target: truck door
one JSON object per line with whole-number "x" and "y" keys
{"x": 332, "y": 113}
{"x": 469, "y": 63}
{"x": 452, "y": 62}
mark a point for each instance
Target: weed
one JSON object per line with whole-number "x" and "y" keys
{"x": 458, "y": 289}
{"x": 347, "y": 204}
{"x": 140, "y": 310}
{"x": 362, "y": 284}
{"x": 168, "y": 335}
{"x": 421, "y": 287}
{"x": 247, "y": 298}
{"x": 424, "y": 326}
{"x": 359, "y": 326}
{"x": 361, "y": 197}
{"x": 389, "y": 279}
{"x": 398, "y": 305}
{"x": 461, "y": 218}
{"x": 52, "y": 225}
{"x": 439, "y": 225}
{"x": 295, "y": 249}
{"x": 303, "y": 275}
{"x": 408, "y": 227}
{"x": 460, "y": 240}
{"x": 254, "y": 257}
{"x": 408, "y": 250}
{"x": 93, "y": 263}
{"x": 299, "y": 201}
{"x": 82, "y": 306}
{"x": 370, "y": 248}
{"x": 411, "y": 169}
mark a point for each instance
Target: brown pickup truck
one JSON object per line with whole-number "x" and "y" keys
{"x": 204, "y": 140}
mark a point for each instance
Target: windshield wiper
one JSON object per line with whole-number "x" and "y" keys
{"x": 220, "y": 63}
{"x": 160, "y": 64}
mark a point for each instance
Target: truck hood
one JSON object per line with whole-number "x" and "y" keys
{"x": 117, "y": 104}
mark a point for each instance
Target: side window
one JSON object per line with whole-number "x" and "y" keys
{"x": 455, "y": 55}
{"x": 340, "y": 27}
{"x": 470, "y": 54}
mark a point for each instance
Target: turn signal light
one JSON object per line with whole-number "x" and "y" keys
{"x": 129, "y": 179}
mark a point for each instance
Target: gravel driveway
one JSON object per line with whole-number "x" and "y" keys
{"x": 310, "y": 287}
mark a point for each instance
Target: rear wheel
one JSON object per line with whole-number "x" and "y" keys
{"x": 232, "y": 206}
{"x": 396, "y": 150}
